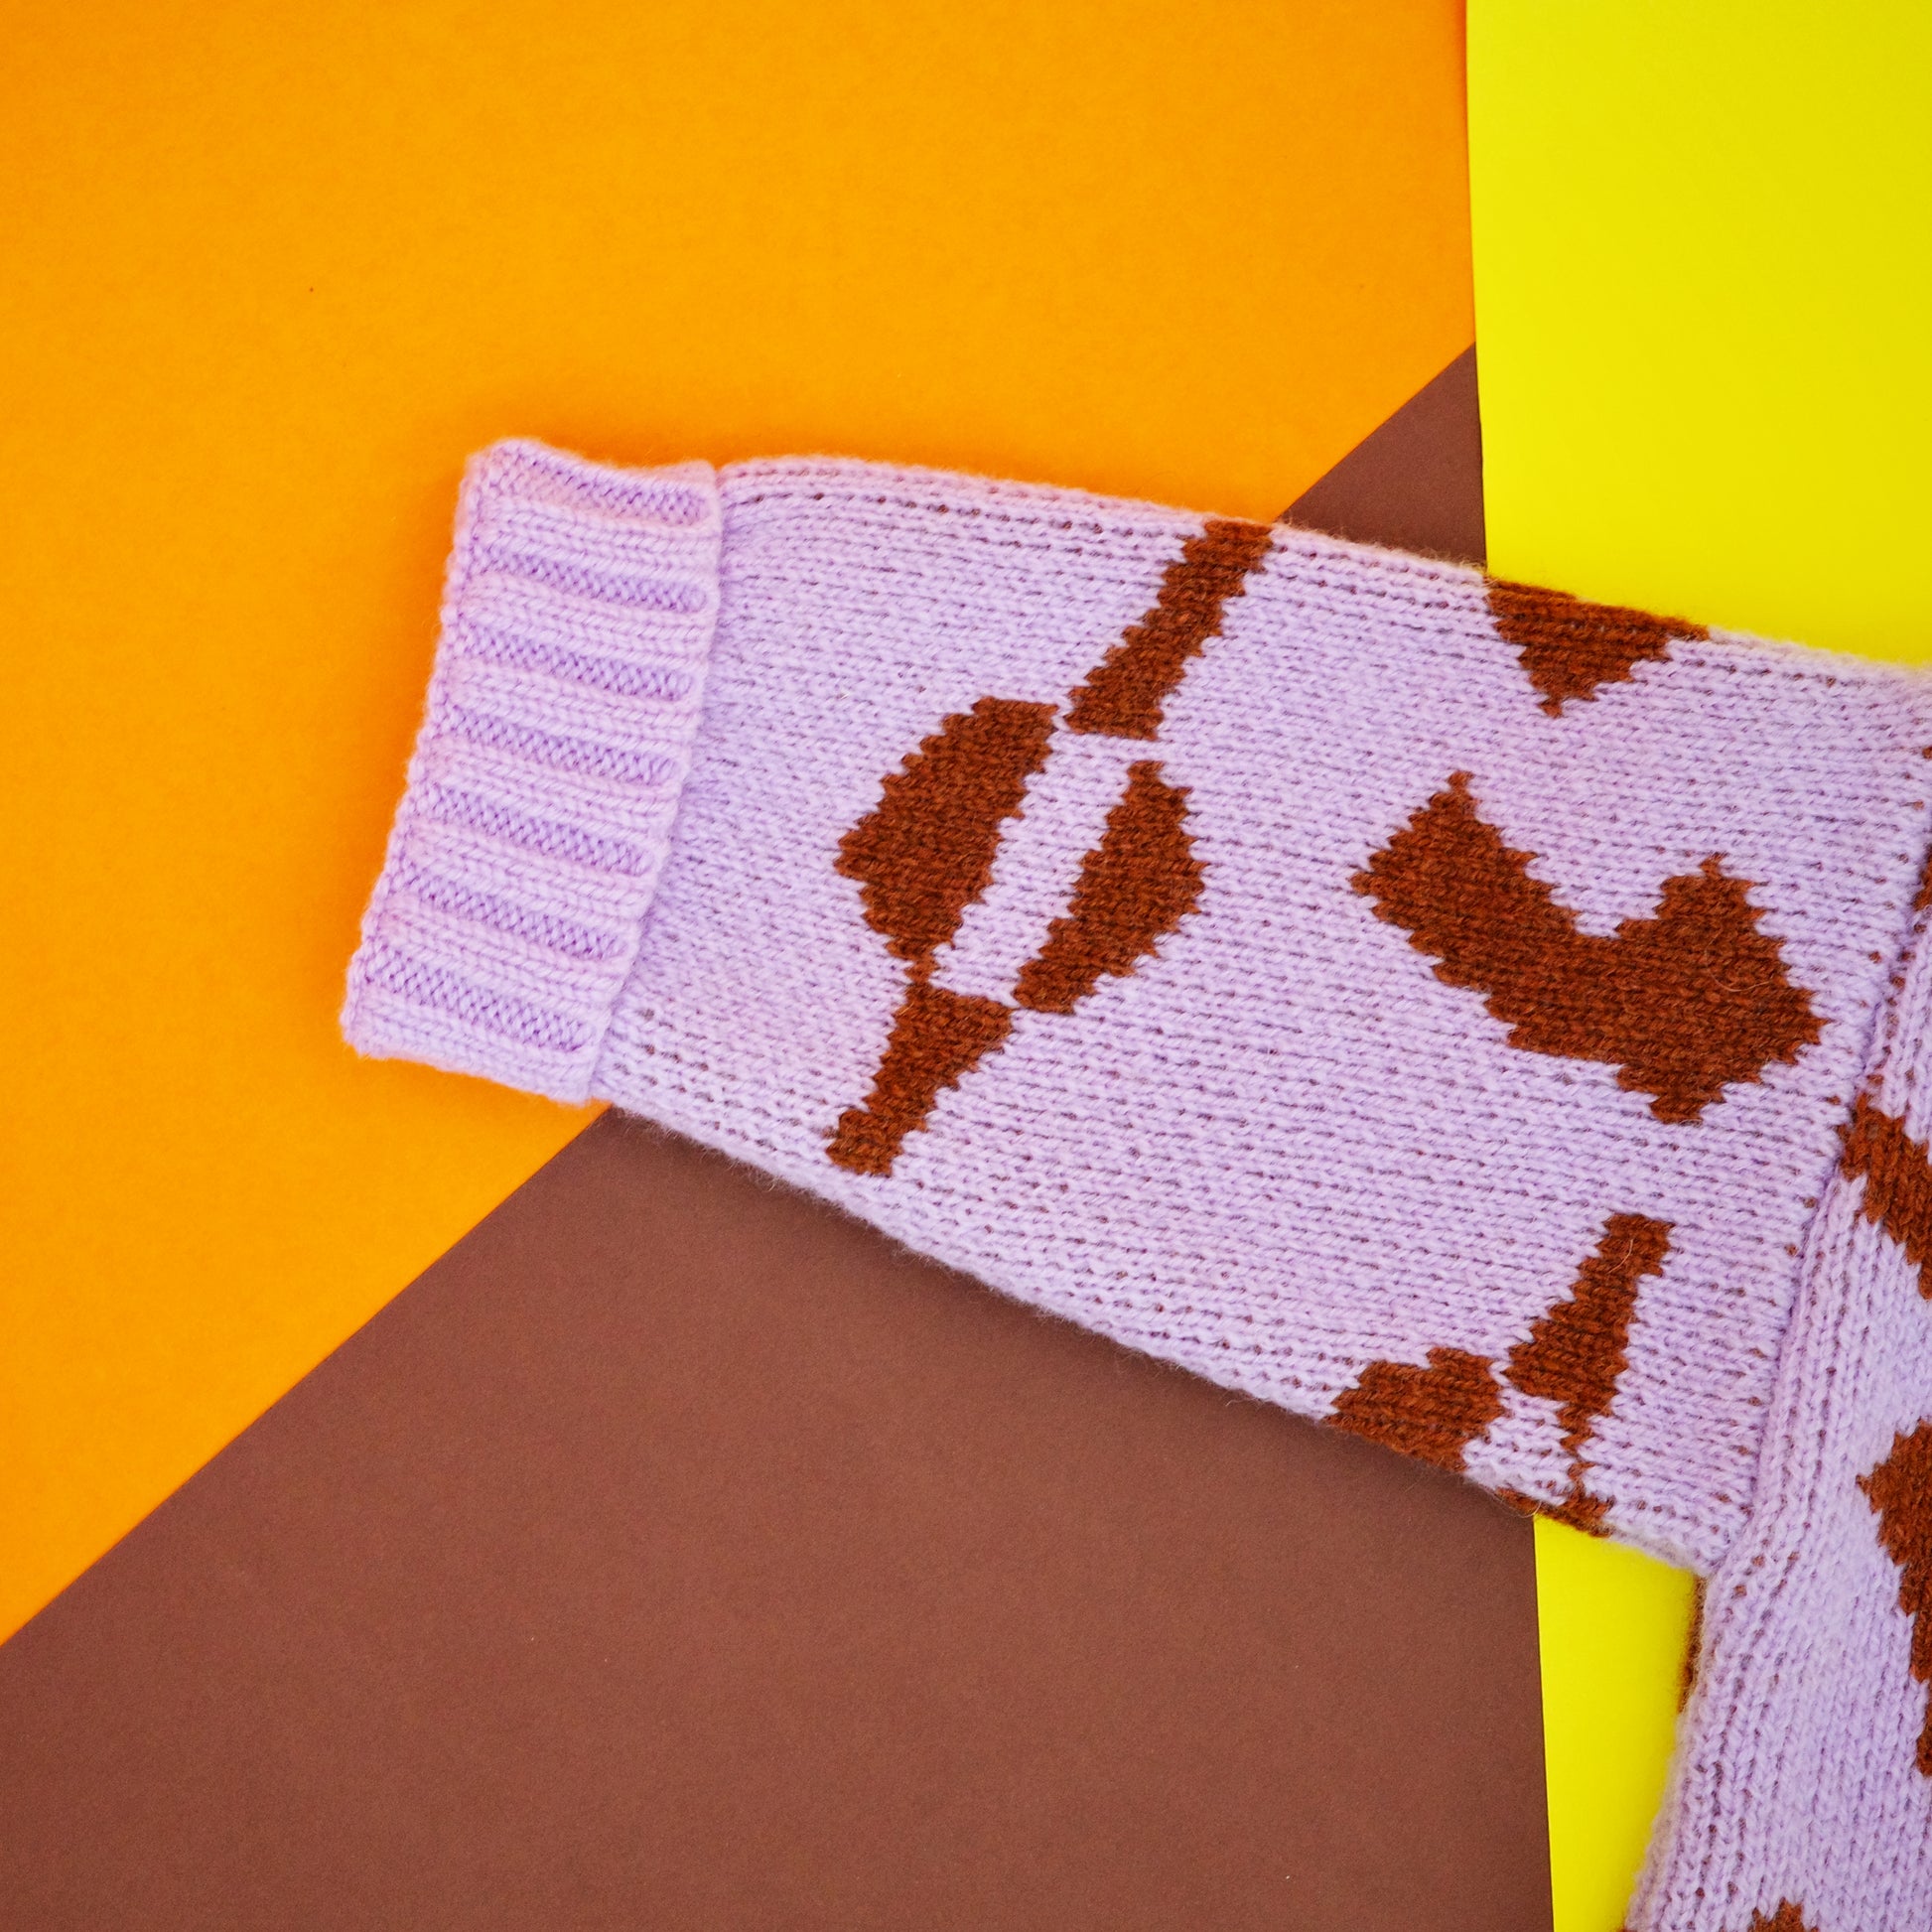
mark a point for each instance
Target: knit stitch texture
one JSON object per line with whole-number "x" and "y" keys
{"x": 1488, "y": 1021}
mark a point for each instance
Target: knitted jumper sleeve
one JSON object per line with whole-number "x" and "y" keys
{"x": 1485, "y": 1021}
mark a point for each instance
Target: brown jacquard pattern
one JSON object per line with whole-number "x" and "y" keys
{"x": 1787, "y": 1918}
{"x": 1432, "y": 1412}
{"x": 1124, "y": 695}
{"x": 924, "y": 852}
{"x": 922, "y": 856}
{"x": 1572, "y": 648}
{"x": 1139, "y": 882}
{"x": 1135, "y": 885}
{"x": 1900, "y": 1491}
{"x": 1574, "y": 1355}
{"x": 937, "y": 1037}
{"x": 1684, "y": 1003}
{"x": 1897, "y": 1172}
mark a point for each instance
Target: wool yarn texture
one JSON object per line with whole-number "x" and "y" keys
{"x": 1488, "y": 1021}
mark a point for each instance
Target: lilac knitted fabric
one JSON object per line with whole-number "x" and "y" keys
{"x": 1485, "y": 1021}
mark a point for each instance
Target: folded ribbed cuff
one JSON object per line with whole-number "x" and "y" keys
{"x": 577, "y": 622}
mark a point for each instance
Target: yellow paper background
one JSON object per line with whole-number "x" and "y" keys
{"x": 273, "y": 270}
{"x": 1703, "y": 294}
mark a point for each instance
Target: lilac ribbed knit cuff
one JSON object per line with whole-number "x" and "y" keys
{"x": 577, "y": 622}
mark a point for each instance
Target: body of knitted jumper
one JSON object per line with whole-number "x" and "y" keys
{"x": 1488, "y": 1021}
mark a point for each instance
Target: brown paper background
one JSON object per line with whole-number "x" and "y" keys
{"x": 677, "y": 1552}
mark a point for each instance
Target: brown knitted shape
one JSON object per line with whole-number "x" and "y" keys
{"x": 1573, "y": 1356}
{"x": 922, "y": 855}
{"x": 1434, "y": 1413}
{"x": 937, "y": 1037}
{"x": 1787, "y": 1918}
{"x": 1898, "y": 1183}
{"x": 1575, "y": 1353}
{"x": 1139, "y": 882}
{"x": 1124, "y": 695}
{"x": 1684, "y": 1003}
{"x": 1900, "y": 1491}
{"x": 1572, "y": 648}
{"x": 924, "y": 852}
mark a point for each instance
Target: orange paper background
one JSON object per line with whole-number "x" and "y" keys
{"x": 272, "y": 271}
